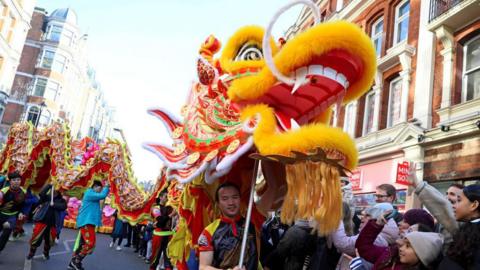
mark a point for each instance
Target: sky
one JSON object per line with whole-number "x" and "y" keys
{"x": 145, "y": 51}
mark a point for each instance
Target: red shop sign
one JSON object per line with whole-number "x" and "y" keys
{"x": 356, "y": 179}
{"x": 402, "y": 173}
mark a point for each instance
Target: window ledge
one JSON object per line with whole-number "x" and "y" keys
{"x": 387, "y": 140}
{"x": 392, "y": 57}
{"x": 459, "y": 112}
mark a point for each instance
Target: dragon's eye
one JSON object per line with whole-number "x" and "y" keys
{"x": 249, "y": 52}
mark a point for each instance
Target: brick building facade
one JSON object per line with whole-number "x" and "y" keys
{"x": 15, "y": 19}
{"x": 418, "y": 108}
{"x": 54, "y": 82}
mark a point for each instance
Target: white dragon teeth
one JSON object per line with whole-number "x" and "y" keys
{"x": 342, "y": 79}
{"x": 300, "y": 78}
{"x": 315, "y": 70}
{"x": 330, "y": 73}
{"x": 294, "y": 125}
{"x": 318, "y": 70}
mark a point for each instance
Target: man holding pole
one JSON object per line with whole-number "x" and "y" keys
{"x": 220, "y": 242}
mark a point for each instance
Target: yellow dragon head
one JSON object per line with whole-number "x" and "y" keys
{"x": 277, "y": 100}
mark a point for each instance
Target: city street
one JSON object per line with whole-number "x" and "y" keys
{"x": 103, "y": 258}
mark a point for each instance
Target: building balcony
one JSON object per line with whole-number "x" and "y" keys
{"x": 452, "y": 13}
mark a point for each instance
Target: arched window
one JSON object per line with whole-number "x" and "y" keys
{"x": 377, "y": 33}
{"x": 471, "y": 69}
{"x": 33, "y": 114}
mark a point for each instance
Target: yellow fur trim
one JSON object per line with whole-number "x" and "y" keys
{"x": 245, "y": 35}
{"x": 303, "y": 48}
{"x": 309, "y": 137}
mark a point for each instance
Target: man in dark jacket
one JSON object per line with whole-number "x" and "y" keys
{"x": 45, "y": 219}
{"x": 295, "y": 248}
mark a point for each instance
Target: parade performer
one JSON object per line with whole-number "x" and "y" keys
{"x": 12, "y": 199}
{"x": 30, "y": 200}
{"x": 162, "y": 232}
{"x": 219, "y": 244}
{"x": 46, "y": 217}
{"x": 89, "y": 218}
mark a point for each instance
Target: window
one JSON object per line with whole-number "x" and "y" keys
{"x": 47, "y": 89}
{"x": 402, "y": 12}
{"x": 68, "y": 37}
{"x": 349, "y": 125}
{"x": 377, "y": 33}
{"x": 51, "y": 92}
{"x": 471, "y": 70}
{"x": 368, "y": 118}
{"x": 47, "y": 59}
{"x": 339, "y": 5}
{"x": 40, "y": 86}
{"x": 33, "y": 114}
{"x": 362, "y": 201}
{"x": 55, "y": 33}
{"x": 11, "y": 29}
{"x": 45, "y": 117}
{"x": 334, "y": 120}
{"x": 2, "y": 110}
{"x": 394, "y": 102}
{"x": 59, "y": 63}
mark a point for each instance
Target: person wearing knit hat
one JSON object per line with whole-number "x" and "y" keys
{"x": 416, "y": 216}
{"x": 417, "y": 250}
{"x": 420, "y": 247}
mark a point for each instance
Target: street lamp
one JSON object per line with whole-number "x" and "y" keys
{"x": 42, "y": 105}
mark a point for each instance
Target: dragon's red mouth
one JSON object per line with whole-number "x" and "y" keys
{"x": 317, "y": 86}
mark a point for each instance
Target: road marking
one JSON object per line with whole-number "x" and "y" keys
{"x": 28, "y": 263}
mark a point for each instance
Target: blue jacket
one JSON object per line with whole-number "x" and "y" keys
{"x": 90, "y": 212}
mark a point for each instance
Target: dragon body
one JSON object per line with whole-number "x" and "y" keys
{"x": 47, "y": 156}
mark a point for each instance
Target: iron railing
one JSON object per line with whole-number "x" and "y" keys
{"x": 439, "y": 7}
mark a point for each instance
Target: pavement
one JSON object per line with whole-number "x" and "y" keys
{"x": 103, "y": 257}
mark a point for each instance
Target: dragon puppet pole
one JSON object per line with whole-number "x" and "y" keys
{"x": 249, "y": 213}
{"x": 51, "y": 195}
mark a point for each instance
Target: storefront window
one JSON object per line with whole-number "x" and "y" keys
{"x": 362, "y": 201}
{"x": 443, "y": 186}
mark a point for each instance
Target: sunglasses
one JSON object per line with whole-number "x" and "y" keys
{"x": 381, "y": 196}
